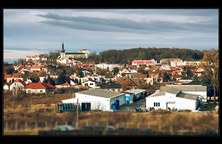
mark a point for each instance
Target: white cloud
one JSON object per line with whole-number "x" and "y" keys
{"x": 17, "y": 54}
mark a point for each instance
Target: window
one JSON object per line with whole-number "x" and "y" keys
{"x": 91, "y": 83}
{"x": 40, "y": 91}
{"x": 156, "y": 104}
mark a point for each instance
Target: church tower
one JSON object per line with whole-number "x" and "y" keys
{"x": 63, "y": 55}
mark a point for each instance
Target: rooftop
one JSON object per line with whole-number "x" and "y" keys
{"x": 172, "y": 90}
{"x": 101, "y": 93}
{"x": 187, "y": 96}
{"x": 110, "y": 85}
{"x": 135, "y": 91}
{"x": 189, "y": 87}
{"x": 39, "y": 86}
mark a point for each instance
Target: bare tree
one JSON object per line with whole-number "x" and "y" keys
{"x": 210, "y": 64}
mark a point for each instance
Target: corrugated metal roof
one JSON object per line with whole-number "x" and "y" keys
{"x": 135, "y": 91}
{"x": 189, "y": 87}
{"x": 187, "y": 96}
{"x": 172, "y": 90}
{"x": 157, "y": 94}
{"x": 101, "y": 93}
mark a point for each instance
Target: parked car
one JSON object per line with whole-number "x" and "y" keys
{"x": 63, "y": 128}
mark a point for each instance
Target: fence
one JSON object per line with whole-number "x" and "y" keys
{"x": 43, "y": 128}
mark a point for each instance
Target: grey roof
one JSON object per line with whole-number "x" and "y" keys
{"x": 110, "y": 85}
{"x": 172, "y": 90}
{"x": 189, "y": 87}
{"x": 157, "y": 94}
{"x": 135, "y": 91}
{"x": 74, "y": 53}
{"x": 101, "y": 93}
{"x": 187, "y": 96}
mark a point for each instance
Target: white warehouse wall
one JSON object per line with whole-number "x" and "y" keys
{"x": 180, "y": 103}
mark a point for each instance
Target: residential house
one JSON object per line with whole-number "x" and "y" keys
{"x": 17, "y": 84}
{"x": 107, "y": 66}
{"x": 97, "y": 99}
{"x": 64, "y": 85}
{"x": 128, "y": 72}
{"x": 172, "y": 98}
{"x": 139, "y": 63}
{"x": 112, "y": 86}
{"x": 192, "y": 63}
{"x": 36, "y": 58}
{"x": 39, "y": 88}
{"x": 128, "y": 83}
{"x": 65, "y": 61}
{"x": 199, "y": 72}
{"x": 9, "y": 78}
{"x": 172, "y": 61}
{"x": 91, "y": 84}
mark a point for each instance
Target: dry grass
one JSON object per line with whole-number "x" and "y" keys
{"x": 32, "y": 109}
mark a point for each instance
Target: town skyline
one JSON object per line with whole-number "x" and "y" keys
{"x": 39, "y": 31}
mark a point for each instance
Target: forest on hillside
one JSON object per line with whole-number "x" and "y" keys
{"x": 126, "y": 56}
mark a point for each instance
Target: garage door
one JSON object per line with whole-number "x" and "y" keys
{"x": 170, "y": 105}
{"x": 86, "y": 107}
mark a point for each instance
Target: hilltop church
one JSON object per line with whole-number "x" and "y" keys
{"x": 83, "y": 53}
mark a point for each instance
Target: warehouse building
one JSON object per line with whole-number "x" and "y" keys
{"x": 98, "y": 99}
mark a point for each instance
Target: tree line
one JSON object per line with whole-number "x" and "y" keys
{"x": 128, "y": 55}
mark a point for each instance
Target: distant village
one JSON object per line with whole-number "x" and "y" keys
{"x": 167, "y": 84}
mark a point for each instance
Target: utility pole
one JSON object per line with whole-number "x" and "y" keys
{"x": 77, "y": 115}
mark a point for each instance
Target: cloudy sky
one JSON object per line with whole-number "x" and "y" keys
{"x": 39, "y": 31}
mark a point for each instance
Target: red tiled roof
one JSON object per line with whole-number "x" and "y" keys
{"x": 14, "y": 75}
{"x": 36, "y": 56}
{"x": 22, "y": 82}
{"x": 66, "y": 84}
{"x": 7, "y": 76}
{"x": 39, "y": 86}
{"x": 142, "y": 62}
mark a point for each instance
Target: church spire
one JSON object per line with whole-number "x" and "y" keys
{"x": 63, "y": 50}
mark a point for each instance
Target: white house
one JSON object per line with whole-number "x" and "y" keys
{"x": 91, "y": 84}
{"x": 39, "y": 88}
{"x": 97, "y": 99}
{"x": 17, "y": 84}
{"x": 172, "y": 98}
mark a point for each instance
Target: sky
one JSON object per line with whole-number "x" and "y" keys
{"x": 39, "y": 31}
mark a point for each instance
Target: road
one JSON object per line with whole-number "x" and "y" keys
{"x": 131, "y": 107}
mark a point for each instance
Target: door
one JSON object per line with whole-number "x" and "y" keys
{"x": 86, "y": 107}
{"x": 170, "y": 105}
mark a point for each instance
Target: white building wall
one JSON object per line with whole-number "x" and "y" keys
{"x": 97, "y": 102}
{"x": 161, "y": 99}
{"x": 17, "y": 85}
{"x": 180, "y": 103}
{"x": 122, "y": 100}
{"x": 39, "y": 91}
{"x": 90, "y": 84}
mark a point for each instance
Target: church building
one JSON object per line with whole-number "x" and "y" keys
{"x": 83, "y": 53}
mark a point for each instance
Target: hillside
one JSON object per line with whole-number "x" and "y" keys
{"x": 127, "y": 55}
